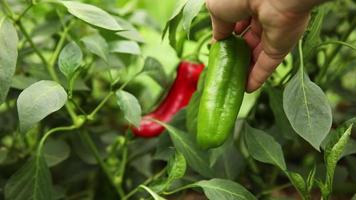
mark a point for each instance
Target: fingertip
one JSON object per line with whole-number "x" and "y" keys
{"x": 221, "y": 29}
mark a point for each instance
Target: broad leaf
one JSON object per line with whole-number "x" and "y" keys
{"x": 8, "y": 56}
{"x": 130, "y": 107}
{"x": 92, "y": 15}
{"x": 152, "y": 193}
{"x": 38, "y": 101}
{"x": 31, "y": 182}
{"x": 125, "y": 46}
{"x": 224, "y": 190}
{"x": 197, "y": 158}
{"x": 130, "y": 32}
{"x": 97, "y": 45}
{"x": 307, "y": 109}
{"x": 263, "y": 147}
{"x": 190, "y": 11}
{"x": 154, "y": 69}
{"x": 55, "y": 151}
{"x": 70, "y": 59}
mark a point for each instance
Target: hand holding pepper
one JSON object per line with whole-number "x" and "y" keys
{"x": 276, "y": 26}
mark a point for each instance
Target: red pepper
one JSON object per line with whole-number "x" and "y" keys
{"x": 178, "y": 97}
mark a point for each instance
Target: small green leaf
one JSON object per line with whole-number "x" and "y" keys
{"x": 8, "y": 56}
{"x": 173, "y": 22}
{"x": 154, "y": 69}
{"x": 70, "y": 59}
{"x": 92, "y": 15}
{"x": 177, "y": 166}
{"x": 224, "y": 189}
{"x": 152, "y": 193}
{"x": 190, "y": 11}
{"x": 298, "y": 182}
{"x": 312, "y": 36}
{"x": 263, "y": 147}
{"x": 130, "y": 106}
{"x": 185, "y": 143}
{"x": 55, "y": 151}
{"x": 32, "y": 181}
{"x": 125, "y": 46}
{"x": 307, "y": 109}
{"x": 332, "y": 156}
{"x": 38, "y": 101}
{"x": 311, "y": 179}
{"x": 97, "y": 45}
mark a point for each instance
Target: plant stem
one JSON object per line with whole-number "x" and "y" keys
{"x": 25, "y": 11}
{"x": 179, "y": 189}
{"x": 334, "y": 53}
{"x": 50, "y": 132}
{"x": 32, "y": 44}
{"x": 149, "y": 180}
{"x": 101, "y": 104}
{"x": 337, "y": 42}
{"x": 277, "y": 188}
{"x": 87, "y": 139}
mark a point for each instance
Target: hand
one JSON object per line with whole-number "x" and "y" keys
{"x": 275, "y": 27}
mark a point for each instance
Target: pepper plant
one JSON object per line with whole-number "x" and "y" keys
{"x": 77, "y": 77}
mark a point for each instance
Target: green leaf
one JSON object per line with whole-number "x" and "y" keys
{"x": 97, "y": 45}
{"x": 311, "y": 179}
{"x": 130, "y": 32}
{"x": 298, "y": 181}
{"x": 177, "y": 166}
{"x": 55, "y": 151}
{"x": 307, "y": 109}
{"x": 125, "y": 46}
{"x": 173, "y": 22}
{"x": 130, "y": 106}
{"x": 275, "y": 102}
{"x": 31, "y": 182}
{"x": 332, "y": 155}
{"x": 178, "y": 8}
{"x": 8, "y": 56}
{"x": 312, "y": 36}
{"x": 334, "y": 137}
{"x": 38, "y": 101}
{"x": 190, "y": 11}
{"x": 92, "y": 15}
{"x": 197, "y": 158}
{"x": 227, "y": 160}
{"x": 154, "y": 69}
{"x": 152, "y": 193}
{"x": 70, "y": 59}
{"x": 224, "y": 190}
{"x": 263, "y": 147}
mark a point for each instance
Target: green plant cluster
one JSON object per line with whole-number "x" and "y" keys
{"x": 74, "y": 75}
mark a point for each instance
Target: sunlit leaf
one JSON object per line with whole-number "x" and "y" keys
{"x": 130, "y": 107}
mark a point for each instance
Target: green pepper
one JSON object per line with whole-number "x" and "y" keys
{"x": 223, "y": 91}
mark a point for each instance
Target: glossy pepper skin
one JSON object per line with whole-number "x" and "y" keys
{"x": 223, "y": 91}
{"x": 178, "y": 97}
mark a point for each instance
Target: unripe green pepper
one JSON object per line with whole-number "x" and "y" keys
{"x": 223, "y": 91}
